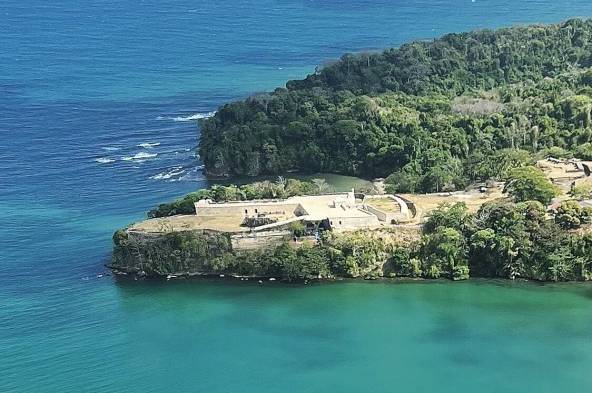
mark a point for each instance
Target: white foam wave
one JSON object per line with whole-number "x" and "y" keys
{"x": 140, "y": 156}
{"x": 195, "y": 116}
{"x": 194, "y": 174}
{"x": 166, "y": 175}
{"x": 149, "y": 145}
{"x": 111, "y": 148}
{"x": 180, "y": 174}
{"x": 104, "y": 160}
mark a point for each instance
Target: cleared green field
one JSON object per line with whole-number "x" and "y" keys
{"x": 385, "y": 204}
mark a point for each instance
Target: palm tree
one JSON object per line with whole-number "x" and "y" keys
{"x": 321, "y": 184}
{"x": 281, "y": 182}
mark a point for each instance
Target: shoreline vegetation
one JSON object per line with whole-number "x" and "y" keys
{"x": 466, "y": 111}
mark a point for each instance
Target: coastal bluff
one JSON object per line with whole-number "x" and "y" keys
{"x": 536, "y": 226}
{"x": 208, "y": 253}
{"x": 225, "y": 238}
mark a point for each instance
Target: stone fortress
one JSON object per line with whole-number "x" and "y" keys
{"x": 251, "y": 221}
{"x": 340, "y": 211}
{"x": 260, "y": 223}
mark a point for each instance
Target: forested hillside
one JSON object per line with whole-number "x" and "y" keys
{"x": 437, "y": 114}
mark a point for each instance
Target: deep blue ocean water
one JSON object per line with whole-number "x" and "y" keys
{"x": 96, "y": 106}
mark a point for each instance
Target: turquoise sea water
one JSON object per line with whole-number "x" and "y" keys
{"x": 96, "y": 102}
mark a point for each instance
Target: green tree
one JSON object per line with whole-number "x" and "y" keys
{"x": 321, "y": 185}
{"x": 446, "y": 215}
{"x": 530, "y": 183}
{"x": 446, "y": 249}
{"x": 298, "y": 228}
{"x": 403, "y": 264}
{"x": 569, "y": 215}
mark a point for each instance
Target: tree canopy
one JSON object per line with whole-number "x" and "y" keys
{"x": 433, "y": 115}
{"x": 530, "y": 183}
{"x": 502, "y": 239}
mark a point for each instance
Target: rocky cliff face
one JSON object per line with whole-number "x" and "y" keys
{"x": 206, "y": 252}
{"x": 168, "y": 253}
{"x": 365, "y": 254}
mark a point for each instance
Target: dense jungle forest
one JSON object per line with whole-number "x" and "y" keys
{"x": 430, "y": 116}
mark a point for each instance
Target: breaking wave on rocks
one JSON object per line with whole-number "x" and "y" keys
{"x": 195, "y": 116}
{"x": 140, "y": 156}
{"x": 169, "y": 173}
{"x": 180, "y": 173}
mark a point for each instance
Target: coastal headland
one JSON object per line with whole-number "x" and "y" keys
{"x": 480, "y": 142}
{"x": 347, "y": 234}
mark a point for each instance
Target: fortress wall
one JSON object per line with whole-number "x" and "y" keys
{"x": 382, "y": 216}
{"x": 259, "y": 240}
{"x": 353, "y": 222}
{"x": 229, "y": 209}
{"x": 403, "y": 214}
{"x": 410, "y": 206}
{"x": 402, "y": 205}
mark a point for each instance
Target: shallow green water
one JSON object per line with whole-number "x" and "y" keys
{"x": 358, "y": 336}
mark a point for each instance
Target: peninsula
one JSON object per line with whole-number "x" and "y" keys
{"x": 484, "y": 141}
